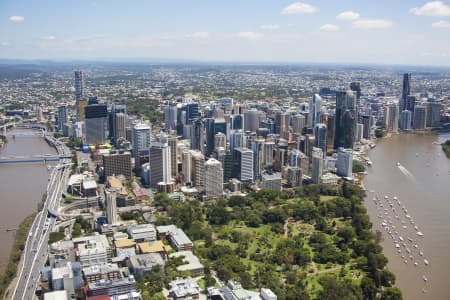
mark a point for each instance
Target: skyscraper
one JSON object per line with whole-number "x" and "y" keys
{"x": 320, "y": 134}
{"x": 405, "y": 120}
{"x": 345, "y": 119}
{"x": 317, "y": 165}
{"x": 160, "y": 167}
{"x": 95, "y": 124}
{"x": 117, "y": 163}
{"x": 111, "y": 206}
{"x": 213, "y": 179}
{"x": 62, "y": 117}
{"x": 251, "y": 120}
{"x": 243, "y": 164}
{"x": 367, "y": 125}
{"x": 391, "y": 116}
{"x": 197, "y": 139}
{"x": 170, "y": 117}
{"x": 79, "y": 85}
{"x": 172, "y": 141}
{"x": 186, "y": 167}
{"x": 298, "y": 123}
{"x": 433, "y": 113}
{"x": 220, "y": 141}
{"x": 420, "y": 117}
{"x": 140, "y": 138}
{"x": 315, "y": 105}
{"x": 356, "y": 87}
{"x": 406, "y": 90}
{"x": 344, "y": 163}
{"x": 198, "y": 169}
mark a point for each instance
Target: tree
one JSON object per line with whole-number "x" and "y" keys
{"x": 368, "y": 288}
{"x": 218, "y": 215}
{"x": 391, "y": 293}
{"x": 335, "y": 289}
{"x": 358, "y": 167}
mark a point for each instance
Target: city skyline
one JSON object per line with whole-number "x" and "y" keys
{"x": 409, "y": 33}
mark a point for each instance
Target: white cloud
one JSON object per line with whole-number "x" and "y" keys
{"x": 16, "y": 18}
{"x": 441, "y": 24}
{"x": 348, "y": 16}
{"x": 199, "y": 35}
{"x": 299, "y": 8}
{"x": 329, "y": 27}
{"x": 432, "y": 9}
{"x": 372, "y": 24}
{"x": 249, "y": 35}
{"x": 49, "y": 38}
{"x": 5, "y": 44}
{"x": 270, "y": 27}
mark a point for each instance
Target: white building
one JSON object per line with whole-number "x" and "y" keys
{"x": 213, "y": 178}
{"x": 111, "y": 207}
{"x": 317, "y": 165}
{"x": 142, "y": 232}
{"x": 140, "y": 138}
{"x": 271, "y": 181}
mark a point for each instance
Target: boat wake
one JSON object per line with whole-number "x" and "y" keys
{"x": 407, "y": 173}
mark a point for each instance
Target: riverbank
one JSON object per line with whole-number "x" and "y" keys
{"x": 446, "y": 148}
{"x": 14, "y": 258}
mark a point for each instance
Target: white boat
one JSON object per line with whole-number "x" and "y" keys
{"x": 424, "y": 278}
{"x": 397, "y": 246}
{"x": 416, "y": 228}
{"x": 386, "y": 197}
{"x": 405, "y": 261}
{"x": 395, "y": 198}
{"x": 421, "y": 253}
{"x": 398, "y": 164}
{"x": 425, "y": 262}
{"x": 410, "y": 239}
{"x": 405, "y": 227}
{"x": 416, "y": 264}
{"x": 415, "y": 246}
{"x": 419, "y": 233}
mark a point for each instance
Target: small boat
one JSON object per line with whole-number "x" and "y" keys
{"x": 395, "y": 198}
{"x": 386, "y": 197}
{"x": 419, "y": 233}
{"x": 424, "y": 278}
{"x": 405, "y": 261}
{"x": 397, "y": 246}
{"x": 410, "y": 239}
{"x": 415, "y": 246}
{"x": 425, "y": 262}
{"x": 405, "y": 227}
{"x": 416, "y": 228}
{"x": 424, "y": 291}
{"x": 398, "y": 164}
{"x": 416, "y": 264}
{"x": 421, "y": 253}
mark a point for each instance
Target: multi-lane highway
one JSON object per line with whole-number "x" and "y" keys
{"x": 36, "y": 248}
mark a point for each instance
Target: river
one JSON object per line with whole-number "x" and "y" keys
{"x": 422, "y": 184}
{"x": 21, "y": 185}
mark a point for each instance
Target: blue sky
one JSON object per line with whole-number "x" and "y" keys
{"x": 337, "y": 31}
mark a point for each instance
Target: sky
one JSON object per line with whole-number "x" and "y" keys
{"x": 408, "y": 32}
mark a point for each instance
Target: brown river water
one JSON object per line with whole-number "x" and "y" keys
{"x": 21, "y": 185}
{"x": 421, "y": 181}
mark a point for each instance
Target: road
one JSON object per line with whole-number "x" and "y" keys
{"x": 35, "y": 252}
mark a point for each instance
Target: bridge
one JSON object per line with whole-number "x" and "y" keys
{"x": 39, "y": 158}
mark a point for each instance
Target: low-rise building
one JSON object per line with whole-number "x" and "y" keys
{"x": 142, "y": 232}
{"x": 143, "y": 264}
{"x": 92, "y": 250}
{"x": 181, "y": 289}
{"x": 101, "y": 272}
{"x": 271, "y": 182}
{"x": 124, "y": 285}
{"x": 154, "y": 247}
{"x": 191, "y": 263}
{"x": 67, "y": 278}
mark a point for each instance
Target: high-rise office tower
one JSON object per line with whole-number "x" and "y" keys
{"x": 294, "y": 176}
{"x": 258, "y": 157}
{"x": 160, "y": 167}
{"x": 197, "y": 139}
{"x": 186, "y": 114}
{"x": 238, "y": 139}
{"x": 269, "y": 149}
{"x": 213, "y": 179}
{"x": 209, "y": 132}
{"x": 406, "y": 90}
{"x": 367, "y": 125}
{"x": 79, "y": 85}
{"x": 298, "y": 123}
{"x": 220, "y": 141}
{"x": 62, "y": 117}
{"x": 198, "y": 168}
{"x": 344, "y": 163}
{"x": 316, "y": 165}
{"x": 95, "y": 124}
{"x": 170, "y": 117}
{"x": 172, "y": 142}
{"x": 119, "y": 125}
{"x": 111, "y": 206}
{"x": 356, "y": 87}
{"x": 320, "y": 134}
{"x": 330, "y": 131}
{"x": 420, "y": 117}
{"x": 405, "y": 120}
{"x": 140, "y": 138}
{"x": 433, "y": 114}
{"x": 251, "y": 120}
{"x": 236, "y": 122}
{"x": 391, "y": 117}
{"x": 243, "y": 164}
{"x": 186, "y": 167}
{"x": 315, "y": 106}
{"x": 345, "y": 119}
{"x": 359, "y": 132}
{"x": 117, "y": 163}
{"x": 282, "y": 121}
